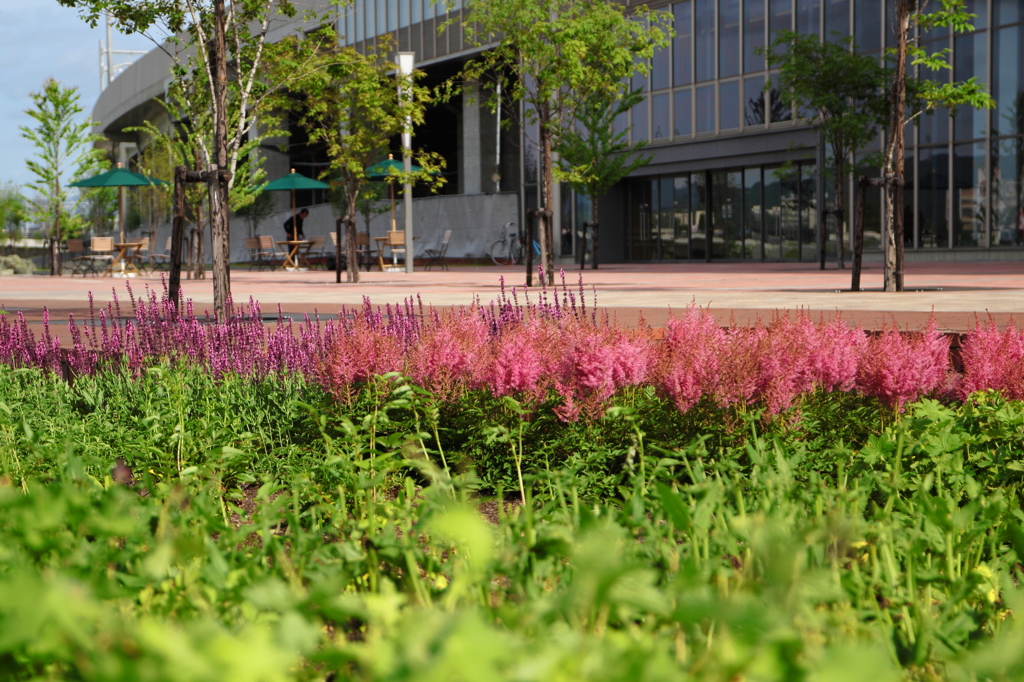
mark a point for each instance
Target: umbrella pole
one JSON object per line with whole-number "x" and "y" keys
{"x": 120, "y": 212}
{"x": 392, "y": 184}
{"x": 295, "y": 227}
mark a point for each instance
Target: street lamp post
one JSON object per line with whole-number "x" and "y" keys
{"x": 406, "y": 62}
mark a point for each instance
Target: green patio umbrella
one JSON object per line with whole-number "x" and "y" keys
{"x": 389, "y": 169}
{"x": 294, "y": 181}
{"x": 119, "y": 178}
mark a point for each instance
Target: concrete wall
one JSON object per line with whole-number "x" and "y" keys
{"x": 474, "y": 219}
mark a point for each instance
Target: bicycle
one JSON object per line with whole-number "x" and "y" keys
{"x": 508, "y": 249}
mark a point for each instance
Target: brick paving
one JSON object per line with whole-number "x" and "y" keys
{"x": 956, "y": 293}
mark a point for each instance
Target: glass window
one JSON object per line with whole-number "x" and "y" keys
{"x": 682, "y": 44}
{"x": 1008, "y": 81}
{"x": 403, "y": 13}
{"x": 660, "y": 69}
{"x": 704, "y": 16}
{"x": 808, "y": 16}
{"x": 640, "y": 130}
{"x": 681, "y": 113}
{"x": 727, "y": 214}
{"x": 392, "y": 15}
{"x": 808, "y": 203}
{"x": 872, "y": 206}
{"x": 698, "y": 216}
{"x": 666, "y": 247}
{"x": 417, "y": 11}
{"x": 706, "y": 109}
{"x": 620, "y": 123}
{"x": 753, "y": 96}
{"x": 753, "y": 214}
{"x": 779, "y": 110}
{"x": 781, "y": 220}
{"x": 639, "y": 80}
{"x": 867, "y": 18}
{"x": 837, "y": 19}
{"x": 1007, "y": 12}
{"x": 729, "y": 105}
{"x": 934, "y": 126}
{"x": 970, "y": 191}
{"x": 753, "y": 35}
{"x": 660, "y": 115}
{"x": 932, "y": 197}
{"x": 429, "y": 8}
{"x": 681, "y": 223}
{"x": 978, "y": 7}
{"x": 969, "y": 60}
{"x": 780, "y": 18}
{"x": 380, "y": 26}
{"x": 1008, "y": 192}
{"x": 728, "y": 38}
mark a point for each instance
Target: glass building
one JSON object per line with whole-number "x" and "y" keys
{"x": 716, "y": 188}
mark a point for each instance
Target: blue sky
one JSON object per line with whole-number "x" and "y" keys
{"x": 39, "y": 39}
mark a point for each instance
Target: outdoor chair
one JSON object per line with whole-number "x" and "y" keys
{"x": 396, "y": 242}
{"x": 75, "y": 249}
{"x": 437, "y": 255}
{"x": 315, "y": 253}
{"x": 267, "y": 255}
{"x": 101, "y": 251}
{"x": 364, "y": 252}
{"x": 160, "y": 261}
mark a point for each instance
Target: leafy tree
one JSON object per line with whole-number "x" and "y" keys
{"x": 912, "y": 24}
{"x": 593, "y": 156}
{"x": 64, "y": 153}
{"x": 12, "y": 213}
{"x": 553, "y": 55}
{"x": 205, "y": 37}
{"x": 351, "y": 106}
{"x": 841, "y": 92}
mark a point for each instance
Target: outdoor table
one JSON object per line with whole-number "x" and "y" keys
{"x": 292, "y": 257}
{"x": 380, "y": 252}
{"x": 126, "y": 254}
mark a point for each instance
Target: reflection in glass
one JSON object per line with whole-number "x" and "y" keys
{"x": 704, "y": 27}
{"x": 417, "y": 11}
{"x": 727, "y": 214}
{"x": 753, "y": 212}
{"x": 908, "y": 199}
{"x": 807, "y": 198}
{"x": 779, "y": 110}
{"x": 1008, "y": 81}
{"x": 640, "y": 214}
{"x": 1007, "y": 12}
{"x": 754, "y": 98}
{"x": 392, "y": 15}
{"x": 867, "y": 21}
{"x": 780, "y": 18}
{"x": 660, "y": 69}
{"x": 837, "y": 19}
{"x": 1008, "y": 192}
{"x": 782, "y": 218}
{"x": 970, "y": 190}
{"x": 565, "y": 227}
{"x": 403, "y": 13}
{"x": 728, "y": 38}
{"x": 808, "y": 16}
{"x": 872, "y": 207}
{"x": 681, "y": 44}
{"x": 681, "y": 235}
{"x": 639, "y": 80}
{"x": 979, "y": 8}
{"x": 729, "y": 105}
{"x": 699, "y": 218}
{"x": 753, "y": 35}
{"x": 706, "y": 109}
{"x": 381, "y": 23}
{"x": 934, "y": 126}
{"x": 640, "y": 130}
{"x": 969, "y": 60}
{"x": 583, "y": 215}
{"x": 665, "y": 248}
{"x": 932, "y": 197}
{"x": 659, "y": 117}
{"x": 681, "y": 114}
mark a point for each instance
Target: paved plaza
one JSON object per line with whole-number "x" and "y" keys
{"x": 957, "y": 293}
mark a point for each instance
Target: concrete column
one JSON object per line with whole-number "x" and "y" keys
{"x": 470, "y": 162}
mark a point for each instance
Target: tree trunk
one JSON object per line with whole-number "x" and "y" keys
{"x": 894, "y": 159}
{"x": 177, "y": 232}
{"x": 858, "y": 234}
{"x": 547, "y": 195}
{"x": 351, "y": 262}
{"x": 530, "y": 215}
{"x": 593, "y": 232}
{"x": 218, "y": 183}
{"x": 840, "y": 212}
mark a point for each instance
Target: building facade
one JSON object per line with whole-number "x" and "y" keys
{"x": 716, "y": 187}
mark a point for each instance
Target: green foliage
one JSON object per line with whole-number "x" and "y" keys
{"x": 259, "y": 531}
{"x": 64, "y": 152}
{"x": 13, "y": 208}
{"x": 257, "y": 212}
